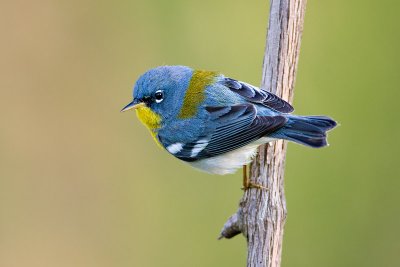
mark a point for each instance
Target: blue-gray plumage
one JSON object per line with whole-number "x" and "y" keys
{"x": 216, "y": 123}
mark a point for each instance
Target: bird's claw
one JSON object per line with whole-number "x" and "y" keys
{"x": 254, "y": 185}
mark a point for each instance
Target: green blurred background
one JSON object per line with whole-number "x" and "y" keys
{"x": 83, "y": 185}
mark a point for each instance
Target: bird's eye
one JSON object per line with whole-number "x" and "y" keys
{"x": 159, "y": 96}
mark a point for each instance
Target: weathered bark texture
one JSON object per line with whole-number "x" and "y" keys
{"x": 262, "y": 213}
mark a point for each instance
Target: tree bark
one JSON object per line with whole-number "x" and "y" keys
{"x": 262, "y": 213}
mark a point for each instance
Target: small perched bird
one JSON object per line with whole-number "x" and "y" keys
{"x": 216, "y": 123}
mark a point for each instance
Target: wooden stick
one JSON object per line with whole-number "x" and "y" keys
{"x": 262, "y": 213}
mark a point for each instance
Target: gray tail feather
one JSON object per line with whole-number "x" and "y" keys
{"x": 307, "y": 130}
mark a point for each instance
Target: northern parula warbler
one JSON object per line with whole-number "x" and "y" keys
{"x": 216, "y": 123}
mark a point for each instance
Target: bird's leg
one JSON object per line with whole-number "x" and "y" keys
{"x": 247, "y": 184}
{"x": 246, "y": 180}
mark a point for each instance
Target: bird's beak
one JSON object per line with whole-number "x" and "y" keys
{"x": 133, "y": 105}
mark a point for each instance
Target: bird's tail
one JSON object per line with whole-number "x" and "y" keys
{"x": 307, "y": 130}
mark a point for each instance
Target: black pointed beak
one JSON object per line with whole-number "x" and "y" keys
{"x": 133, "y": 105}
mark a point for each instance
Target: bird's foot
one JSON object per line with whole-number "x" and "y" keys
{"x": 254, "y": 185}
{"x": 247, "y": 184}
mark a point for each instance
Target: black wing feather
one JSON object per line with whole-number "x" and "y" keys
{"x": 255, "y": 95}
{"x": 233, "y": 127}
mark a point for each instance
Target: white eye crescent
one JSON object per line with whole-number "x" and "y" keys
{"x": 159, "y": 96}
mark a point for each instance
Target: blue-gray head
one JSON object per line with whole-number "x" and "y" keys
{"x": 161, "y": 89}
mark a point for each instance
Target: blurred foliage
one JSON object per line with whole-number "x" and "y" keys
{"x": 83, "y": 185}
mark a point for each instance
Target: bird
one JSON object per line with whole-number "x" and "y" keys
{"x": 216, "y": 123}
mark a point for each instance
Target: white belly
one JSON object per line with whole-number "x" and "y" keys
{"x": 229, "y": 162}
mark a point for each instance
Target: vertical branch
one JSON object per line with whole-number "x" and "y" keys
{"x": 262, "y": 213}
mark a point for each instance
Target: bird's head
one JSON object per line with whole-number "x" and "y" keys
{"x": 158, "y": 94}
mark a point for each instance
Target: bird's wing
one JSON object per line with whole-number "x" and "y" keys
{"x": 230, "y": 127}
{"x": 256, "y": 95}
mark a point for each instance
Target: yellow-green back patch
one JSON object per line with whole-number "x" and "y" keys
{"x": 195, "y": 93}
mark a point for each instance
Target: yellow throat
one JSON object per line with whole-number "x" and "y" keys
{"x": 150, "y": 119}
